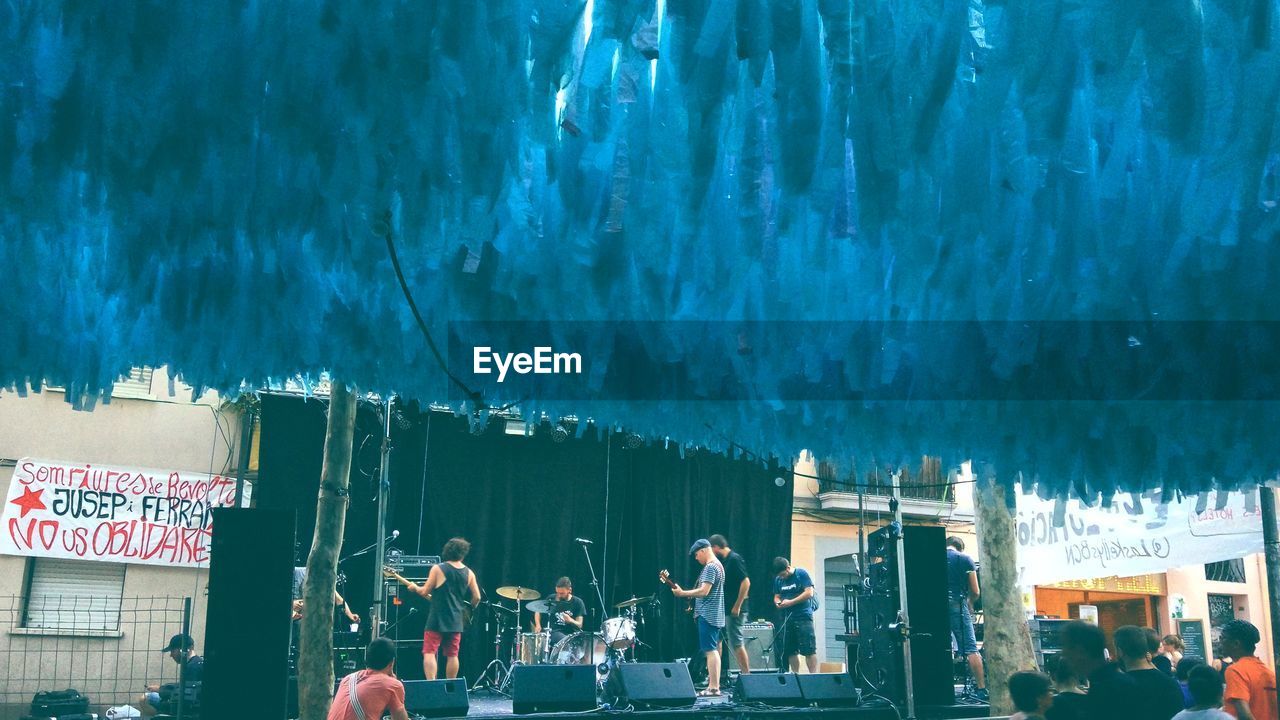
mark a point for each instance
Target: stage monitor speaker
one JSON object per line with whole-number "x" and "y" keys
{"x": 649, "y": 685}
{"x": 757, "y": 638}
{"x": 769, "y": 689}
{"x": 553, "y": 688}
{"x": 436, "y": 698}
{"x": 829, "y": 690}
{"x": 246, "y": 632}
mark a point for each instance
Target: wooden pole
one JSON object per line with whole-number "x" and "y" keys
{"x": 1006, "y": 640}
{"x": 315, "y": 653}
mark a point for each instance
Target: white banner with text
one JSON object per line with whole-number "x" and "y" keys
{"x": 1062, "y": 540}
{"x": 115, "y": 514}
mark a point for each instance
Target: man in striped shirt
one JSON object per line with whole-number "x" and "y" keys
{"x": 708, "y": 609}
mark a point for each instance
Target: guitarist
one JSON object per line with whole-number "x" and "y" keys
{"x": 793, "y": 596}
{"x": 450, "y": 587}
{"x": 708, "y": 610}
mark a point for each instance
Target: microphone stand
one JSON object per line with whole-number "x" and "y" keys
{"x": 367, "y": 548}
{"x": 599, "y": 594}
{"x": 412, "y": 611}
{"x": 780, "y": 635}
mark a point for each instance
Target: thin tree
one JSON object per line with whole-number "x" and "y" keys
{"x": 315, "y": 656}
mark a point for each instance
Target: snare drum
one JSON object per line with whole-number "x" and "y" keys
{"x": 533, "y": 647}
{"x": 619, "y": 632}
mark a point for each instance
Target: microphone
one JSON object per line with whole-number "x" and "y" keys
{"x": 395, "y": 534}
{"x": 583, "y": 541}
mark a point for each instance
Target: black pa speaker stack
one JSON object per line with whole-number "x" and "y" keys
{"x": 879, "y": 665}
{"x": 247, "y": 632}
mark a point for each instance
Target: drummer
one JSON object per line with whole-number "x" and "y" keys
{"x": 566, "y": 614}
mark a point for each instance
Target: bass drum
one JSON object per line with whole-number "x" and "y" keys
{"x": 576, "y": 649}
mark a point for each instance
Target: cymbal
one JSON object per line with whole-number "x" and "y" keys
{"x": 515, "y": 592}
{"x": 539, "y": 606}
{"x": 634, "y": 601}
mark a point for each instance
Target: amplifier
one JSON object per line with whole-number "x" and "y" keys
{"x": 758, "y": 639}
{"x": 400, "y": 563}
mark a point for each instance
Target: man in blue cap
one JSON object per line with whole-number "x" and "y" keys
{"x": 708, "y": 609}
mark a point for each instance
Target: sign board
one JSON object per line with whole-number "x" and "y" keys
{"x": 1088, "y": 613}
{"x": 116, "y": 514}
{"x": 1192, "y": 633}
{"x": 1062, "y": 540}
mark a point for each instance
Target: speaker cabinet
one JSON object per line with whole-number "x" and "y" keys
{"x": 436, "y": 698}
{"x": 769, "y": 689}
{"x": 829, "y": 690}
{"x": 649, "y": 685}
{"x": 246, "y": 631}
{"x": 757, "y": 638}
{"x": 553, "y": 688}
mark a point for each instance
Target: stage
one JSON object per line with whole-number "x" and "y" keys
{"x": 485, "y": 705}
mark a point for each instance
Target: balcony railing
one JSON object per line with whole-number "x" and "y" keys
{"x": 922, "y": 483}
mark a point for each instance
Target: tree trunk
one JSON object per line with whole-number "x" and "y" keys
{"x": 1006, "y": 640}
{"x": 315, "y": 654}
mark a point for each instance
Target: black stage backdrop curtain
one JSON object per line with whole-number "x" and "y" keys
{"x": 521, "y": 501}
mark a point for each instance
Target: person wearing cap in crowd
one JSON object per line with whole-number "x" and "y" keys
{"x": 708, "y": 610}
{"x": 181, "y": 649}
{"x": 1251, "y": 686}
{"x": 793, "y": 596}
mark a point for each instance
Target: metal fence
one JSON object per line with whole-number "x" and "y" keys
{"x": 68, "y": 645}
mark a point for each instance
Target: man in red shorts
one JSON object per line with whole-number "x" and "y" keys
{"x": 451, "y": 587}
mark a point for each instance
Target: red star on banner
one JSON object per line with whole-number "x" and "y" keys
{"x": 30, "y": 500}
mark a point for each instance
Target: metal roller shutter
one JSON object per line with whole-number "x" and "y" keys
{"x": 74, "y": 595}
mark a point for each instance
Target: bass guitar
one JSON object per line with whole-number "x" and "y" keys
{"x": 665, "y": 577}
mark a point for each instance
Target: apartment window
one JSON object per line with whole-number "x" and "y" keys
{"x": 73, "y": 595}
{"x": 135, "y": 384}
{"x": 1225, "y": 571}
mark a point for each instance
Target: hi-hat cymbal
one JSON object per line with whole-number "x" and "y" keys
{"x": 634, "y": 601}
{"x": 539, "y": 606}
{"x": 515, "y": 592}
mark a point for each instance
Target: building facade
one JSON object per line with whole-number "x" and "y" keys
{"x": 92, "y": 625}
{"x": 825, "y": 527}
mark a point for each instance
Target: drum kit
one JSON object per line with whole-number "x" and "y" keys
{"x": 615, "y": 643}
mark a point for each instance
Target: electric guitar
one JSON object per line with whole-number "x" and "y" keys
{"x": 391, "y": 574}
{"x": 665, "y": 577}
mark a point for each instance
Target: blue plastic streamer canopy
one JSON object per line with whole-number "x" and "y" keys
{"x": 1041, "y": 235}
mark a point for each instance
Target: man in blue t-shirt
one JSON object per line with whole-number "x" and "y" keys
{"x": 793, "y": 596}
{"x": 962, "y": 589}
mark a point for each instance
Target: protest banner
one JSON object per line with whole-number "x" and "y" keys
{"x": 115, "y": 514}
